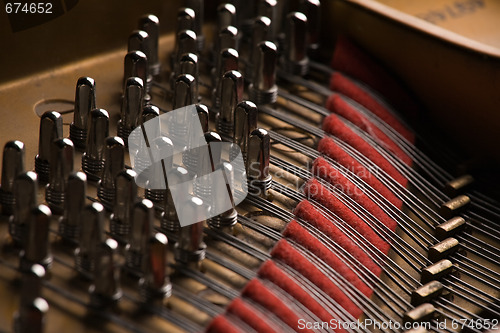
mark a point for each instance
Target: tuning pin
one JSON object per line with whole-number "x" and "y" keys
{"x": 185, "y": 91}
{"x": 31, "y": 286}
{"x": 185, "y": 19}
{"x": 91, "y": 235}
{"x": 106, "y": 291}
{"x": 226, "y": 16}
{"x": 227, "y": 38}
{"x": 155, "y": 286}
{"x": 190, "y": 156}
{"x": 141, "y": 231}
{"x": 260, "y": 33}
{"x": 139, "y": 40}
{"x": 295, "y": 60}
{"x": 258, "y": 162}
{"x": 12, "y": 166}
{"x": 131, "y": 107}
{"x": 230, "y": 95}
{"x": 312, "y": 10}
{"x": 114, "y": 155}
{"x": 227, "y": 60}
{"x": 36, "y": 245}
{"x": 162, "y": 150}
{"x": 151, "y": 25}
{"x": 209, "y": 159}
{"x": 188, "y": 64}
{"x": 224, "y": 203}
{"x": 84, "y": 103}
{"x": 169, "y": 219}
{"x": 25, "y": 190}
{"x": 50, "y": 129}
{"x": 93, "y": 157}
{"x": 245, "y": 13}
{"x": 198, "y": 7}
{"x": 136, "y": 65}
{"x": 190, "y": 248}
{"x": 74, "y": 202}
{"x": 269, "y": 8}
{"x": 31, "y": 317}
{"x": 123, "y": 208}
{"x": 263, "y": 89}
{"x": 62, "y": 156}
{"x": 245, "y": 122}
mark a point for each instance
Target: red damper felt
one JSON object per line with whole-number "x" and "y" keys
{"x": 220, "y": 324}
{"x": 328, "y": 147}
{"x": 273, "y": 273}
{"x": 347, "y": 87}
{"x": 296, "y": 232}
{"x": 287, "y": 254}
{"x": 306, "y": 211}
{"x": 326, "y": 171}
{"x": 249, "y": 315}
{"x": 313, "y": 189}
{"x": 353, "y": 61}
{"x": 260, "y": 294}
{"x": 336, "y": 104}
{"x": 333, "y": 125}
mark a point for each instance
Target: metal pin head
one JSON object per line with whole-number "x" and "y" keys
{"x": 227, "y": 60}
{"x": 312, "y": 10}
{"x": 203, "y": 114}
{"x": 50, "y": 130}
{"x": 84, "y": 103}
{"x": 91, "y": 235}
{"x": 139, "y": 40}
{"x": 36, "y": 244}
{"x": 186, "y": 43}
{"x": 141, "y": 230}
{"x": 189, "y": 65}
{"x": 123, "y": 208}
{"x": 226, "y": 16}
{"x": 190, "y": 247}
{"x": 185, "y": 93}
{"x": 198, "y": 7}
{"x": 74, "y": 202}
{"x": 93, "y": 158}
{"x": 151, "y": 25}
{"x": 258, "y": 161}
{"x": 227, "y": 38}
{"x": 114, "y": 155}
{"x": 269, "y": 8}
{"x": 135, "y": 65}
{"x": 245, "y": 122}
{"x": 62, "y": 156}
{"x": 32, "y": 283}
{"x": 260, "y": 32}
{"x": 230, "y": 95}
{"x": 169, "y": 219}
{"x": 295, "y": 56}
{"x": 31, "y": 316}
{"x": 263, "y": 89}
{"x": 185, "y": 19}
{"x": 25, "y": 190}
{"x": 149, "y": 112}
{"x": 131, "y": 107}
{"x": 155, "y": 285}
{"x": 12, "y": 166}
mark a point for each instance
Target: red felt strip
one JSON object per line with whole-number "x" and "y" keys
{"x": 306, "y": 211}
{"x": 333, "y": 125}
{"x": 324, "y": 170}
{"x": 328, "y": 147}
{"x": 336, "y": 104}
{"x": 249, "y": 315}
{"x": 318, "y": 192}
{"x": 353, "y": 61}
{"x": 221, "y": 324}
{"x": 287, "y": 254}
{"x": 259, "y": 293}
{"x": 303, "y": 237}
{"x": 347, "y": 87}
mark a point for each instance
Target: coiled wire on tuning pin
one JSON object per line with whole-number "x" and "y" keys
{"x": 50, "y": 129}
{"x": 139, "y": 40}
{"x": 84, "y": 103}
{"x": 114, "y": 162}
{"x": 198, "y": 7}
{"x": 259, "y": 179}
{"x": 93, "y": 157}
{"x": 151, "y": 25}
{"x": 230, "y": 95}
{"x": 62, "y": 156}
{"x": 25, "y": 190}
{"x": 263, "y": 89}
{"x": 74, "y": 202}
{"x": 131, "y": 108}
{"x": 12, "y": 166}
{"x": 169, "y": 219}
{"x": 141, "y": 230}
{"x": 295, "y": 60}
{"x": 36, "y": 244}
{"x": 123, "y": 207}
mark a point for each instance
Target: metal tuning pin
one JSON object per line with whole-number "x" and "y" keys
{"x": 227, "y": 60}
{"x": 269, "y": 8}
{"x": 155, "y": 285}
{"x": 185, "y": 43}
{"x": 188, "y": 64}
{"x": 139, "y": 40}
{"x": 84, "y": 103}
{"x": 114, "y": 162}
{"x": 260, "y": 33}
{"x": 74, "y": 202}
{"x": 190, "y": 157}
{"x": 263, "y": 89}
{"x": 245, "y": 122}
{"x": 227, "y": 38}
{"x": 131, "y": 108}
{"x": 228, "y": 218}
{"x": 198, "y": 7}
{"x": 51, "y": 128}
{"x": 162, "y": 150}
{"x": 185, "y": 91}
{"x": 151, "y": 25}
{"x": 106, "y": 290}
{"x": 295, "y": 60}
{"x": 30, "y": 291}
{"x": 36, "y": 245}
{"x": 31, "y": 317}
{"x": 230, "y": 95}
{"x": 246, "y": 11}
{"x": 93, "y": 157}
{"x": 259, "y": 179}
{"x": 190, "y": 248}
{"x": 185, "y": 19}
{"x": 208, "y": 160}
{"x": 169, "y": 218}
{"x": 123, "y": 208}
{"x": 141, "y": 231}
{"x": 62, "y": 156}
{"x": 25, "y": 190}
{"x": 135, "y": 65}
{"x": 226, "y": 16}
{"x": 91, "y": 236}
{"x": 312, "y": 10}
{"x": 12, "y": 166}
